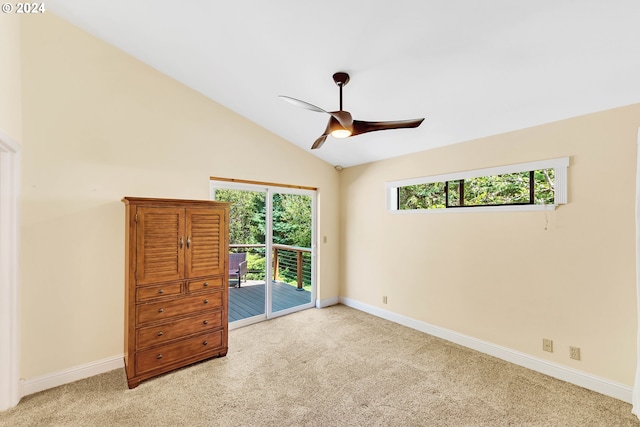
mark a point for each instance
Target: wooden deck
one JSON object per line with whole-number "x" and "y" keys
{"x": 248, "y": 301}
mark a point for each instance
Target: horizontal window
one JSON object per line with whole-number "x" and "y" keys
{"x": 525, "y": 186}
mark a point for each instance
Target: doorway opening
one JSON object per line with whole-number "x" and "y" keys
{"x": 272, "y": 249}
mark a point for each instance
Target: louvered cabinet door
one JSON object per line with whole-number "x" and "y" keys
{"x": 160, "y": 244}
{"x": 204, "y": 254}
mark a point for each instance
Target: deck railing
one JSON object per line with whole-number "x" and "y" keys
{"x": 289, "y": 263}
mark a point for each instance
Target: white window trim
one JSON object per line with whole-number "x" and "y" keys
{"x": 559, "y": 165}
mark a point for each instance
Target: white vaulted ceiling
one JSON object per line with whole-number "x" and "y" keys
{"x": 472, "y": 68}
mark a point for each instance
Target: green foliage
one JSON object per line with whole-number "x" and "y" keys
{"x": 245, "y": 222}
{"x": 544, "y": 182}
{"x": 422, "y": 196}
{"x": 292, "y": 220}
{"x": 291, "y": 226}
{"x": 454, "y": 192}
{"x": 506, "y": 189}
{"x": 255, "y": 266}
{"x": 291, "y": 217}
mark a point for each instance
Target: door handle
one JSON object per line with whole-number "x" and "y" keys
{"x": 188, "y": 242}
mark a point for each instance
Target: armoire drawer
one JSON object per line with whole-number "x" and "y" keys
{"x": 205, "y": 284}
{"x": 162, "y": 310}
{"x": 154, "y": 335}
{"x": 159, "y": 357}
{"x": 144, "y": 293}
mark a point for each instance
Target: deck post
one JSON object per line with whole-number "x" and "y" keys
{"x": 299, "y": 265}
{"x": 275, "y": 264}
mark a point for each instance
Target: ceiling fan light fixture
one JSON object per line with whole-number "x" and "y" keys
{"x": 340, "y": 133}
{"x": 336, "y": 129}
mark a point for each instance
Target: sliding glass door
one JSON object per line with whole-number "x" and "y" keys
{"x": 291, "y": 249}
{"x": 247, "y": 260}
{"x": 272, "y": 250}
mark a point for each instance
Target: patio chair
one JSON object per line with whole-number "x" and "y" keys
{"x": 238, "y": 267}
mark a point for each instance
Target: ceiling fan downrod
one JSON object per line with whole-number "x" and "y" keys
{"x": 341, "y": 79}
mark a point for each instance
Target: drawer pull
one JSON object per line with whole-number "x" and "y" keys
{"x": 160, "y": 310}
{"x": 160, "y": 333}
{"x": 205, "y": 284}
{"x": 206, "y": 322}
{"x": 159, "y": 357}
{"x": 205, "y": 343}
{"x": 206, "y": 301}
{"x": 161, "y": 291}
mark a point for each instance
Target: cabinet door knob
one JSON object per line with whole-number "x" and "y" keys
{"x": 160, "y": 333}
{"x": 188, "y": 242}
{"x": 206, "y": 301}
{"x": 205, "y": 284}
{"x": 205, "y": 343}
{"x": 181, "y": 242}
{"x": 160, "y": 310}
{"x": 159, "y": 357}
{"x": 206, "y": 322}
{"x": 161, "y": 291}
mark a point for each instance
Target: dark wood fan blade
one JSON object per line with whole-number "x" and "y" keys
{"x": 302, "y": 104}
{"x": 318, "y": 143}
{"x": 364, "y": 127}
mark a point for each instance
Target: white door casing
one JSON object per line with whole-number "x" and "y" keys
{"x": 9, "y": 277}
{"x": 635, "y": 398}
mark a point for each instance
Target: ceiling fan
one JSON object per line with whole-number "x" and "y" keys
{"x": 341, "y": 124}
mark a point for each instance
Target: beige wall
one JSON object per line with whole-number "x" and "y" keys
{"x": 510, "y": 278}
{"x": 100, "y": 125}
{"x": 10, "y": 80}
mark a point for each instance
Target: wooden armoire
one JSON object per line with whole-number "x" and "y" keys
{"x": 176, "y": 290}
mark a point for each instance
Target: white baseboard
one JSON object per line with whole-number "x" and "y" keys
{"x": 327, "y": 302}
{"x": 55, "y": 379}
{"x": 573, "y": 376}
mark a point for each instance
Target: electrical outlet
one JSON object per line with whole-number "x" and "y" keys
{"x": 384, "y": 299}
{"x": 547, "y": 345}
{"x": 574, "y": 352}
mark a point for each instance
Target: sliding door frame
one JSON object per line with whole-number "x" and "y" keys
{"x": 269, "y": 189}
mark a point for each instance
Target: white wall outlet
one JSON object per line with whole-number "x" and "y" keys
{"x": 384, "y": 299}
{"x": 547, "y": 345}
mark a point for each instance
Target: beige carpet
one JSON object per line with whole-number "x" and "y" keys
{"x": 330, "y": 367}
